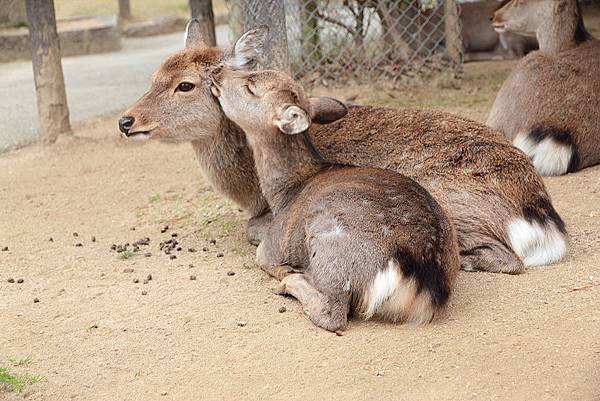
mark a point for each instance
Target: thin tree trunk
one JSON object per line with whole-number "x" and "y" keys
{"x": 272, "y": 14}
{"x": 202, "y": 10}
{"x": 124, "y": 10}
{"x": 453, "y": 35}
{"x": 47, "y": 70}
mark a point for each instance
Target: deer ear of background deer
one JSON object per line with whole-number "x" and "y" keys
{"x": 293, "y": 120}
{"x": 193, "y": 34}
{"x": 325, "y": 110}
{"x": 248, "y": 48}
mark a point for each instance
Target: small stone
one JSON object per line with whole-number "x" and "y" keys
{"x": 163, "y": 393}
{"x": 205, "y": 249}
{"x": 149, "y": 277}
{"x": 231, "y": 273}
{"x": 192, "y": 250}
{"x": 132, "y": 228}
{"x": 144, "y": 292}
{"x": 178, "y": 248}
{"x": 193, "y": 277}
{"x": 50, "y": 239}
{"x": 36, "y": 300}
{"x": 11, "y": 280}
{"x": 220, "y": 255}
{"x": 147, "y": 254}
{"x": 136, "y": 280}
{"x": 242, "y": 323}
{"x": 113, "y": 247}
{"x": 172, "y": 257}
{"x": 128, "y": 270}
{"x": 190, "y": 265}
{"x": 174, "y": 235}
{"x": 5, "y": 249}
{"x": 93, "y": 239}
{"x": 75, "y": 235}
{"x": 282, "y": 309}
{"x": 79, "y": 244}
{"x": 20, "y": 281}
{"x": 146, "y": 281}
{"x": 213, "y": 241}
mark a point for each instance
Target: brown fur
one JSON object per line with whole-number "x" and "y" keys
{"x": 341, "y": 226}
{"x": 472, "y": 171}
{"x": 553, "y": 92}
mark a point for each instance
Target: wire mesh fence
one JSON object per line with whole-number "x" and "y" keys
{"x": 334, "y": 41}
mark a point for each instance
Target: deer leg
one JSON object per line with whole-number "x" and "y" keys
{"x": 257, "y": 227}
{"x": 279, "y": 272}
{"x": 327, "y": 312}
{"x": 494, "y": 258}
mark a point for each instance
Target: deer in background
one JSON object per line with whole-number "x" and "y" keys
{"x": 550, "y": 104}
{"x": 502, "y": 213}
{"x": 482, "y": 42}
{"x": 343, "y": 239}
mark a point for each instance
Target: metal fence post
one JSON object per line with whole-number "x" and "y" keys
{"x": 47, "y": 70}
{"x": 272, "y": 14}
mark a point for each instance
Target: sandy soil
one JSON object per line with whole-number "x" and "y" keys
{"x": 94, "y": 335}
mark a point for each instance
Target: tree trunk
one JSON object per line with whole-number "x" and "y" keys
{"x": 452, "y": 32}
{"x": 272, "y": 14}
{"x": 47, "y": 70}
{"x": 124, "y": 10}
{"x": 202, "y": 10}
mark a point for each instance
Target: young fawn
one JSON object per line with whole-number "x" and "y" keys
{"x": 343, "y": 239}
{"x": 549, "y": 106}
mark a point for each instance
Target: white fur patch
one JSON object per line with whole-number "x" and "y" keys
{"x": 537, "y": 245}
{"x": 394, "y": 298}
{"x": 548, "y": 156}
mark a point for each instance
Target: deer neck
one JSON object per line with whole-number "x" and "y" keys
{"x": 227, "y": 164}
{"x": 564, "y": 30}
{"x": 284, "y": 163}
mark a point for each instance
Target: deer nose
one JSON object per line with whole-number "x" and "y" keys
{"x": 125, "y": 124}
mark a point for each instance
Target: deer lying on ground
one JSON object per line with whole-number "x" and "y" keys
{"x": 482, "y": 42}
{"x": 550, "y": 104}
{"x": 502, "y": 212}
{"x": 367, "y": 241}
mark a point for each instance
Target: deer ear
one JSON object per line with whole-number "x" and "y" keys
{"x": 193, "y": 34}
{"x": 325, "y": 110}
{"x": 247, "y": 49}
{"x": 293, "y": 120}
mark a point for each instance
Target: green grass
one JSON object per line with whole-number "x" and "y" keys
{"x": 154, "y": 198}
{"x": 16, "y": 382}
{"x": 126, "y": 255}
{"x": 20, "y": 361}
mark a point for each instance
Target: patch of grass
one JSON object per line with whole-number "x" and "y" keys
{"x": 20, "y": 361}
{"x": 16, "y": 382}
{"x": 126, "y": 255}
{"x": 154, "y": 198}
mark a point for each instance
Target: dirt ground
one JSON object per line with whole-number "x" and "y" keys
{"x": 207, "y": 325}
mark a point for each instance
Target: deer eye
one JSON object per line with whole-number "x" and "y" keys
{"x": 185, "y": 86}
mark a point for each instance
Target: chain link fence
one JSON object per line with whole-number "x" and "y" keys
{"x": 335, "y": 41}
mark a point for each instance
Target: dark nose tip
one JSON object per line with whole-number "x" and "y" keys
{"x": 125, "y": 124}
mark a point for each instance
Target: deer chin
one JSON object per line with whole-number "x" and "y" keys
{"x": 138, "y": 135}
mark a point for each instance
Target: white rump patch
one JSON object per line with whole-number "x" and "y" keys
{"x": 394, "y": 298}
{"x": 537, "y": 245}
{"x": 548, "y": 156}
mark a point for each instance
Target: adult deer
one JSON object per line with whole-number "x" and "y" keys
{"x": 498, "y": 203}
{"x": 549, "y": 106}
{"x": 365, "y": 241}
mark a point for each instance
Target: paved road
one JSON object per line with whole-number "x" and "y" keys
{"x": 96, "y": 84}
